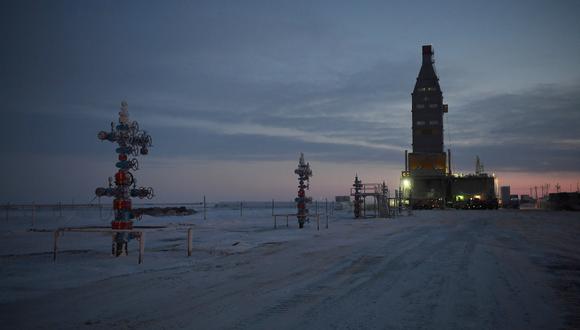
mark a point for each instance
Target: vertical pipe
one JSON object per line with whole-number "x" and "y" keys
{"x": 317, "y": 221}
{"x": 364, "y": 207}
{"x": 400, "y": 201}
{"x": 406, "y": 160}
{"x": 395, "y": 203}
{"x": 33, "y": 213}
{"x": 55, "y": 245}
{"x": 113, "y": 244}
{"x": 317, "y": 207}
{"x": 204, "y": 208}
{"x": 141, "y": 247}
{"x": 326, "y": 211}
{"x": 449, "y": 161}
{"x": 332, "y": 210}
{"x": 189, "y": 241}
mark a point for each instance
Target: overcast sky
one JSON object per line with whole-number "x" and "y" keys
{"x": 233, "y": 91}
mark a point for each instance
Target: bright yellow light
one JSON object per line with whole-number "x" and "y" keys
{"x": 477, "y": 196}
{"x": 406, "y": 183}
{"x": 459, "y": 198}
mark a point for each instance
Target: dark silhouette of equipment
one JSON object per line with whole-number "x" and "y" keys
{"x": 304, "y": 173}
{"x": 131, "y": 141}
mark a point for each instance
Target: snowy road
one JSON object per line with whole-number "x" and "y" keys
{"x": 433, "y": 270}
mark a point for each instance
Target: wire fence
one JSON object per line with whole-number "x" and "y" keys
{"x": 35, "y": 215}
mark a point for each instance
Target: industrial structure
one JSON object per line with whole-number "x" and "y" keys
{"x": 427, "y": 180}
{"x": 131, "y": 141}
{"x": 378, "y": 192}
{"x": 304, "y": 173}
{"x": 356, "y": 193}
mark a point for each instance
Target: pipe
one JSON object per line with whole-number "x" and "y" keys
{"x": 449, "y": 161}
{"x": 406, "y": 161}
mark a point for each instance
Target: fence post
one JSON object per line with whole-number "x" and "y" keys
{"x": 33, "y": 214}
{"x": 55, "y": 245}
{"x": 317, "y": 221}
{"x": 331, "y": 208}
{"x": 316, "y": 207}
{"x": 141, "y": 247}
{"x": 189, "y": 241}
{"x": 326, "y": 211}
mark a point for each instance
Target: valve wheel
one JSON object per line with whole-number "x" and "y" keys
{"x": 134, "y": 164}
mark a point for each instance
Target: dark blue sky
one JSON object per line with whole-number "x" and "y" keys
{"x": 232, "y": 91}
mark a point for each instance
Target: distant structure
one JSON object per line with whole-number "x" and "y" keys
{"x": 358, "y": 201}
{"x": 379, "y": 194}
{"x": 505, "y": 193}
{"x": 304, "y": 173}
{"x": 342, "y": 202}
{"x": 427, "y": 180}
{"x": 564, "y": 201}
{"x": 478, "y": 166}
{"x": 131, "y": 142}
{"x": 427, "y": 109}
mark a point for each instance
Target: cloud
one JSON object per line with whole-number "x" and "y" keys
{"x": 262, "y": 82}
{"x": 269, "y": 131}
{"x": 533, "y": 130}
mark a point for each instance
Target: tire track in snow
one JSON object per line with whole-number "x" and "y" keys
{"x": 339, "y": 281}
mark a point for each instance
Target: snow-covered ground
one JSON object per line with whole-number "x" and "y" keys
{"x": 434, "y": 269}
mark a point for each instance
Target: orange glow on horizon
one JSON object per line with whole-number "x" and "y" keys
{"x": 521, "y": 183}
